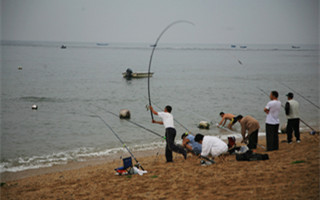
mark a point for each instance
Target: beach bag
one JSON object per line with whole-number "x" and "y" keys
{"x": 250, "y": 156}
{"x": 231, "y": 142}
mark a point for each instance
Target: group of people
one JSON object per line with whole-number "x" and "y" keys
{"x": 210, "y": 145}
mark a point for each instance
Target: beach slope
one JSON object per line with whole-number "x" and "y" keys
{"x": 292, "y": 172}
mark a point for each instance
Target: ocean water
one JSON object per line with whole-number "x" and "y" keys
{"x": 70, "y": 86}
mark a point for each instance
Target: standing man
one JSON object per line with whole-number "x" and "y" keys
{"x": 292, "y": 113}
{"x": 225, "y": 117}
{"x": 251, "y": 125}
{"x": 272, "y": 121}
{"x": 167, "y": 121}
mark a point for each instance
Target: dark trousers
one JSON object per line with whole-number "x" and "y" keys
{"x": 171, "y": 146}
{"x": 253, "y": 140}
{"x": 272, "y": 137}
{"x": 293, "y": 125}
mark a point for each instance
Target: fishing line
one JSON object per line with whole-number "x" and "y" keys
{"x": 301, "y": 95}
{"x": 132, "y": 122}
{"x": 313, "y": 131}
{"x": 124, "y": 144}
{"x": 153, "y": 49}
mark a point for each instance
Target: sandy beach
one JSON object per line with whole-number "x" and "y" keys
{"x": 292, "y": 172}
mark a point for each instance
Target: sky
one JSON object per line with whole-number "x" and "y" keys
{"x": 114, "y": 21}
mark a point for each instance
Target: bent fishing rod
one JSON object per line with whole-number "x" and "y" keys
{"x": 132, "y": 122}
{"x": 124, "y": 144}
{"x": 313, "y": 131}
{"x": 301, "y": 95}
{"x": 153, "y": 49}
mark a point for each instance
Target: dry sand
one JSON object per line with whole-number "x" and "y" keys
{"x": 277, "y": 178}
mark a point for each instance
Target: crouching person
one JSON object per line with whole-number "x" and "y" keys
{"x": 190, "y": 144}
{"x": 211, "y": 145}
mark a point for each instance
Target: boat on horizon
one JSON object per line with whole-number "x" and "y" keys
{"x": 233, "y": 46}
{"x": 102, "y": 44}
{"x": 295, "y": 47}
{"x": 243, "y": 47}
{"x": 63, "y": 47}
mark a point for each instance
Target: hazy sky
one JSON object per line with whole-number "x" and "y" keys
{"x": 216, "y": 21}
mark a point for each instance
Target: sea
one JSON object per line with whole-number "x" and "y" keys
{"x": 75, "y": 89}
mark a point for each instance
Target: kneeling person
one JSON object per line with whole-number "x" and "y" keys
{"x": 190, "y": 144}
{"x": 211, "y": 145}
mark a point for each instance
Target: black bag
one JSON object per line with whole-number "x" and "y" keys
{"x": 250, "y": 156}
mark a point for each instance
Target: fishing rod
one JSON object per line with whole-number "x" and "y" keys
{"x": 313, "y": 131}
{"x": 134, "y": 123}
{"x": 301, "y": 95}
{"x": 154, "y": 47}
{"x": 124, "y": 144}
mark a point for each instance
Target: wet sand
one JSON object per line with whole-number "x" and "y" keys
{"x": 280, "y": 177}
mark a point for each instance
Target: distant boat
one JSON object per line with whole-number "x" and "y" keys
{"x": 243, "y": 47}
{"x": 233, "y": 46}
{"x": 295, "y": 47}
{"x": 153, "y": 45}
{"x": 63, "y": 47}
{"x": 102, "y": 44}
{"x": 130, "y": 74}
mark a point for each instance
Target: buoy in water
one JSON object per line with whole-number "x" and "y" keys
{"x": 19, "y": 68}
{"x": 34, "y": 107}
{"x": 204, "y": 125}
{"x": 124, "y": 114}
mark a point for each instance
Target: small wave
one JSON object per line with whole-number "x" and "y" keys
{"x": 61, "y": 158}
{"x": 42, "y": 99}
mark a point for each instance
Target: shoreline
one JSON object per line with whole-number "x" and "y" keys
{"x": 292, "y": 172}
{"x": 74, "y": 165}
{"x": 93, "y": 161}
{"x": 101, "y": 160}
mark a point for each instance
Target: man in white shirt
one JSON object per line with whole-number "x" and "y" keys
{"x": 272, "y": 121}
{"x": 167, "y": 121}
{"x": 211, "y": 145}
{"x": 292, "y": 113}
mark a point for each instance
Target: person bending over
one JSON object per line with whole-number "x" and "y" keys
{"x": 225, "y": 117}
{"x": 190, "y": 144}
{"x": 251, "y": 125}
{"x": 211, "y": 145}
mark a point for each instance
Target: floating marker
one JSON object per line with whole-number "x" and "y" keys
{"x": 204, "y": 125}
{"x": 20, "y": 68}
{"x": 34, "y": 107}
{"x": 284, "y": 128}
{"x": 124, "y": 114}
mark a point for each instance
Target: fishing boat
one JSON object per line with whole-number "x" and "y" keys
{"x": 102, "y": 44}
{"x": 130, "y": 74}
{"x": 233, "y": 46}
{"x": 295, "y": 47}
{"x": 243, "y": 47}
{"x": 63, "y": 47}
